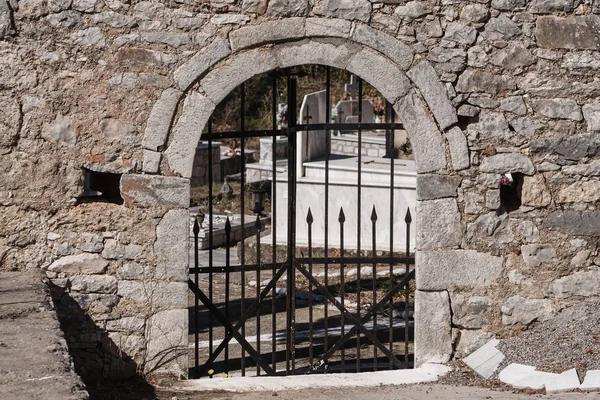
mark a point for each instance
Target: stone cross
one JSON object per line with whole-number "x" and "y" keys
{"x": 352, "y": 87}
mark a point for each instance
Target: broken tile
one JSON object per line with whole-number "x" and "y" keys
{"x": 591, "y": 381}
{"x": 486, "y": 359}
{"x": 566, "y": 381}
{"x": 523, "y": 376}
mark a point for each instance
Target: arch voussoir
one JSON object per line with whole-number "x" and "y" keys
{"x": 426, "y": 139}
{"x": 197, "y": 109}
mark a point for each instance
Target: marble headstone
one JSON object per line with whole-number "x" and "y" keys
{"x": 311, "y": 145}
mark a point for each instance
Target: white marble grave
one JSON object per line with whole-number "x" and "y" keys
{"x": 312, "y": 144}
{"x": 343, "y": 192}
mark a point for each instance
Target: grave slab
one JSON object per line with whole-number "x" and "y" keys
{"x": 486, "y": 359}
{"x": 523, "y": 376}
{"x": 591, "y": 381}
{"x": 564, "y": 382}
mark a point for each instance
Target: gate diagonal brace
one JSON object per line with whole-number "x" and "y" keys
{"x": 233, "y": 331}
{"x": 358, "y": 323}
{"x": 368, "y": 316}
{"x": 242, "y": 341}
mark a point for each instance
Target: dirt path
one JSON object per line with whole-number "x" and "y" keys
{"x": 34, "y": 361}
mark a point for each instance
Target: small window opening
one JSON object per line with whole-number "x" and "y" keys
{"x": 511, "y": 185}
{"x": 102, "y": 187}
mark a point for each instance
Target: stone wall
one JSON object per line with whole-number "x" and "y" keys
{"x": 483, "y": 87}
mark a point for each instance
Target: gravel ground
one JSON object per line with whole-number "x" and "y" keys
{"x": 569, "y": 340}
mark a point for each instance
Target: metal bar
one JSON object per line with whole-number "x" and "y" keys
{"x": 258, "y": 228}
{"x": 357, "y": 322}
{"x": 407, "y": 220}
{"x": 326, "y": 233}
{"x": 210, "y": 236}
{"x": 242, "y": 214}
{"x": 353, "y": 127}
{"x": 227, "y": 283}
{"x": 219, "y": 269}
{"x": 196, "y": 231}
{"x": 243, "y": 318}
{"x": 274, "y": 223}
{"x": 239, "y": 337}
{"x": 303, "y": 127}
{"x": 358, "y": 215}
{"x": 374, "y": 274}
{"x": 366, "y": 318}
{"x": 309, "y": 221}
{"x": 341, "y": 220}
{"x": 291, "y": 292}
{"x": 388, "y": 116}
{"x": 356, "y": 260}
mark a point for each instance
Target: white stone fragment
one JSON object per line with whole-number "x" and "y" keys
{"x": 486, "y": 359}
{"x": 591, "y": 381}
{"x": 523, "y": 376}
{"x": 566, "y": 381}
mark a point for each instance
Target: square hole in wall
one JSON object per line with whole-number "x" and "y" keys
{"x": 101, "y": 187}
{"x": 511, "y": 186}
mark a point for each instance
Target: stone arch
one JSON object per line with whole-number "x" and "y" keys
{"x": 419, "y": 98}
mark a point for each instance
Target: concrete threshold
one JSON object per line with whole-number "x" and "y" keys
{"x": 426, "y": 373}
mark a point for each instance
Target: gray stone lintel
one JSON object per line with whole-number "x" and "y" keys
{"x": 267, "y": 32}
{"x": 191, "y": 70}
{"x": 437, "y": 186}
{"x": 197, "y": 109}
{"x": 433, "y": 329}
{"x": 335, "y": 54}
{"x": 445, "y": 269}
{"x": 167, "y": 339}
{"x": 328, "y": 27}
{"x": 231, "y": 73}
{"x": 425, "y": 78}
{"x": 394, "y": 49}
{"x": 171, "y": 251}
{"x": 440, "y": 224}
{"x": 577, "y": 33}
{"x": 155, "y": 191}
{"x": 161, "y": 116}
{"x": 380, "y": 72}
{"x": 459, "y": 149}
{"x": 579, "y": 223}
{"x": 427, "y": 142}
{"x": 507, "y": 162}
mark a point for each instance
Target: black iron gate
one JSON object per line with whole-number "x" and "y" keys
{"x": 317, "y": 296}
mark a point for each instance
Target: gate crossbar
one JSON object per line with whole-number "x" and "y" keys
{"x": 358, "y": 323}
{"x": 233, "y": 331}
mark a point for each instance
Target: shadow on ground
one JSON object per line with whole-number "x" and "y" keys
{"x": 108, "y": 372}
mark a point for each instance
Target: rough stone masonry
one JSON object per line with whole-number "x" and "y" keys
{"x": 484, "y": 88}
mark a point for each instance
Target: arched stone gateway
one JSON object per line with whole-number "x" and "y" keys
{"x": 419, "y": 98}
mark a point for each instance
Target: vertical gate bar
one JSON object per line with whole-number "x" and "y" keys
{"x": 258, "y": 227}
{"x": 210, "y": 237}
{"x": 196, "y": 303}
{"x": 326, "y": 233}
{"x": 358, "y": 219}
{"x": 242, "y": 219}
{"x": 408, "y": 220}
{"x": 293, "y": 122}
{"x": 388, "y": 117}
{"x": 274, "y": 227}
{"x": 309, "y": 221}
{"x": 341, "y": 220}
{"x": 374, "y": 254}
{"x": 227, "y": 283}
{"x": 291, "y": 251}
